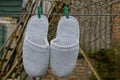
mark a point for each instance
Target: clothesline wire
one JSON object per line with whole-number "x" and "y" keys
{"x": 10, "y": 13}
{"x": 55, "y": 14}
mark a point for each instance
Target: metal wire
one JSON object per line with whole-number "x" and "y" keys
{"x": 10, "y": 13}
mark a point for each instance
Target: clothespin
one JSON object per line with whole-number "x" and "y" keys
{"x": 39, "y": 11}
{"x": 66, "y": 12}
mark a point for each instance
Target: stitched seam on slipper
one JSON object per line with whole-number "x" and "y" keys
{"x": 39, "y": 46}
{"x": 65, "y": 47}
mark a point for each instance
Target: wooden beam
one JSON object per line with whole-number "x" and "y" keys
{"x": 92, "y": 67}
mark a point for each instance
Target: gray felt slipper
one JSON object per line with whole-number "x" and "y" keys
{"x": 65, "y": 47}
{"x": 36, "y": 46}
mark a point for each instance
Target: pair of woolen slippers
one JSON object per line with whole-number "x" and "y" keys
{"x": 62, "y": 52}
